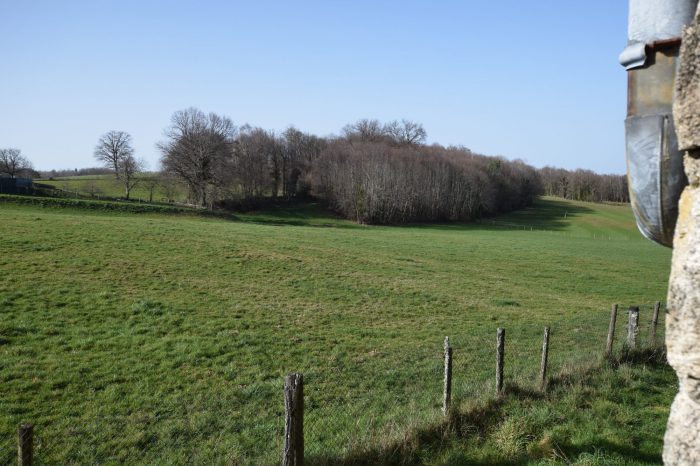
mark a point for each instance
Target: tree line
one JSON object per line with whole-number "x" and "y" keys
{"x": 90, "y": 171}
{"x": 584, "y": 185}
{"x": 372, "y": 172}
{"x": 376, "y": 182}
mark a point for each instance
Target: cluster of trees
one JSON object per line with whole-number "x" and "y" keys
{"x": 219, "y": 161}
{"x": 372, "y": 173}
{"x": 376, "y": 182}
{"x": 394, "y": 133}
{"x": 14, "y": 164}
{"x": 584, "y": 185}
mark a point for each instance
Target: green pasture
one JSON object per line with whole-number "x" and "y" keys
{"x": 156, "y": 338}
{"x": 107, "y": 186}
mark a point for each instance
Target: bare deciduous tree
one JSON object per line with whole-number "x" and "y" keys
{"x": 151, "y": 183}
{"x": 256, "y": 162}
{"x": 389, "y": 183}
{"x": 13, "y": 163}
{"x": 112, "y": 148}
{"x": 170, "y": 186}
{"x": 407, "y": 132}
{"x": 404, "y": 132}
{"x": 365, "y": 130}
{"x": 198, "y": 149}
{"x": 129, "y": 169}
{"x": 584, "y": 185}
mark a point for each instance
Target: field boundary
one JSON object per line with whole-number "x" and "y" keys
{"x": 446, "y": 421}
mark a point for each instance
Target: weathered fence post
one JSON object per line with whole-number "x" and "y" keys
{"x": 293, "y": 454}
{"x": 633, "y": 327}
{"x": 654, "y": 322}
{"x": 447, "y": 392}
{"x": 543, "y": 364}
{"x": 611, "y": 331}
{"x": 25, "y": 445}
{"x": 500, "y": 345}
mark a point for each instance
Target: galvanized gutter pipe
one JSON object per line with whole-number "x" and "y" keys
{"x": 654, "y": 163}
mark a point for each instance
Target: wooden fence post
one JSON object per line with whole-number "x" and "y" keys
{"x": 500, "y": 345}
{"x": 543, "y": 363}
{"x": 611, "y": 331}
{"x": 25, "y": 445}
{"x": 293, "y": 454}
{"x": 654, "y": 322}
{"x": 633, "y": 327}
{"x": 447, "y": 392}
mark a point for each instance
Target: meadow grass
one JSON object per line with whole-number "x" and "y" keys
{"x": 160, "y": 339}
{"x": 107, "y": 186}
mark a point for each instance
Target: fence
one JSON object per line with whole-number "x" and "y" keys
{"x": 47, "y": 190}
{"x": 339, "y": 410}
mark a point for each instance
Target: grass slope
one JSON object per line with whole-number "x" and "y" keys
{"x": 159, "y": 339}
{"x": 107, "y": 186}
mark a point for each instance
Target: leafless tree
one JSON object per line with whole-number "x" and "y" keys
{"x": 407, "y": 132}
{"x": 389, "y": 183}
{"x": 112, "y": 148}
{"x": 256, "y": 158}
{"x": 170, "y": 185}
{"x": 300, "y": 152}
{"x": 365, "y": 130}
{"x": 151, "y": 182}
{"x": 198, "y": 149}
{"x": 13, "y": 163}
{"x": 129, "y": 170}
{"x": 584, "y": 185}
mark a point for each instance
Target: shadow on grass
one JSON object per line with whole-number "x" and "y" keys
{"x": 303, "y": 213}
{"x": 601, "y": 444}
{"x": 653, "y": 356}
{"x": 544, "y": 214}
{"x": 477, "y": 422}
{"x": 405, "y": 452}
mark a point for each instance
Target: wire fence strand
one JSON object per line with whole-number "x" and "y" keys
{"x": 347, "y": 410}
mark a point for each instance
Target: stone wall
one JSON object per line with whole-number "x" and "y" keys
{"x": 682, "y": 440}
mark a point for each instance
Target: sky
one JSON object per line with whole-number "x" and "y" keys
{"x": 536, "y": 80}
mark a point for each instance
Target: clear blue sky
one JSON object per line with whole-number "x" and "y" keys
{"x": 536, "y": 80}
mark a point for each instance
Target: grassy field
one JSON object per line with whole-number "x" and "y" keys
{"x": 164, "y": 339}
{"x": 106, "y": 186}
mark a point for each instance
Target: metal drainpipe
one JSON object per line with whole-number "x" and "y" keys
{"x": 654, "y": 163}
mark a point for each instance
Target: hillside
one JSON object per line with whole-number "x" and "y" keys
{"x": 106, "y": 186}
{"x": 153, "y": 338}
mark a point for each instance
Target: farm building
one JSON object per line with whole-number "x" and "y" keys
{"x": 16, "y": 185}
